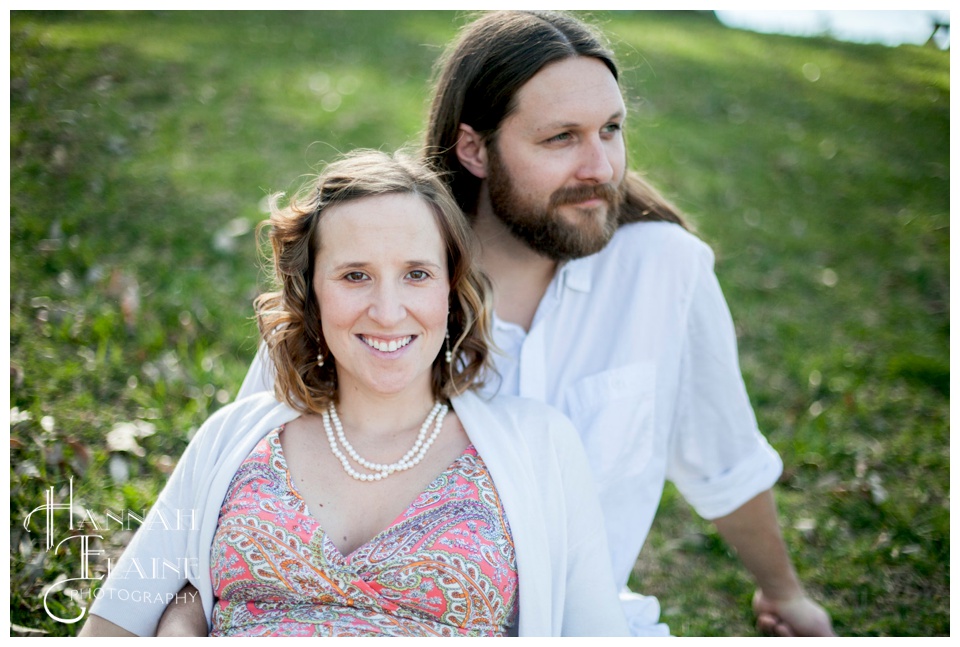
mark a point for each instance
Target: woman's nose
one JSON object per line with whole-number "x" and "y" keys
{"x": 387, "y": 308}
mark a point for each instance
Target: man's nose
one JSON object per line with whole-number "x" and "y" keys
{"x": 595, "y": 163}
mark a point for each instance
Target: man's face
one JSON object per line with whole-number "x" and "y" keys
{"x": 555, "y": 170}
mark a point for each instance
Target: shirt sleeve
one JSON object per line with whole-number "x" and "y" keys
{"x": 260, "y": 377}
{"x": 718, "y": 458}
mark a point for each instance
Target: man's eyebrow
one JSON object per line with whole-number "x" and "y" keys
{"x": 574, "y": 124}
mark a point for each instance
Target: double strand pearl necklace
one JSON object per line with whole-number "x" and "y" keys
{"x": 380, "y": 470}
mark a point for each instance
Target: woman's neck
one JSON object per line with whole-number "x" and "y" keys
{"x": 378, "y": 415}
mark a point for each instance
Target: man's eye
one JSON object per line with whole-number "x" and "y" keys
{"x": 560, "y": 138}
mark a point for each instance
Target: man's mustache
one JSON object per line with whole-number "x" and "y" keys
{"x": 577, "y": 194}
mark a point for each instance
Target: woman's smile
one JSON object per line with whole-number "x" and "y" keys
{"x": 387, "y": 345}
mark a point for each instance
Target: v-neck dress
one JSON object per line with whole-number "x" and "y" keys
{"x": 445, "y": 567}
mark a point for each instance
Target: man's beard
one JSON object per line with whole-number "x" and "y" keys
{"x": 546, "y": 231}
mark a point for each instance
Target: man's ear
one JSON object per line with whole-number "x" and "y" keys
{"x": 472, "y": 151}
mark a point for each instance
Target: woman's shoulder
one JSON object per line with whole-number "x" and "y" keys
{"x": 240, "y": 415}
{"x": 249, "y": 405}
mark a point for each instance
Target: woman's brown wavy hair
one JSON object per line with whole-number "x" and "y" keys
{"x": 289, "y": 317}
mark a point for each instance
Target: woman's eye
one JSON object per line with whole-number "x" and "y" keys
{"x": 355, "y": 277}
{"x": 418, "y": 275}
{"x": 560, "y": 138}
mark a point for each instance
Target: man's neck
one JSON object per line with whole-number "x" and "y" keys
{"x": 520, "y": 276}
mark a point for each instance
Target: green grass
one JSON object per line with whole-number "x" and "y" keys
{"x": 143, "y": 144}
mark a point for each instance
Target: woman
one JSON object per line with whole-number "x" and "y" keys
{"x": 295, "y": 510}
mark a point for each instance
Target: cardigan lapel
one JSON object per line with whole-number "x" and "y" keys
{"x": 505, "y": 451}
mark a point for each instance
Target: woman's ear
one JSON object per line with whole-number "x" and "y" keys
{"x": 472, "y": 151}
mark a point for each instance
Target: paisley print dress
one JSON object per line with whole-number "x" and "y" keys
{"x": 445, "y": 567}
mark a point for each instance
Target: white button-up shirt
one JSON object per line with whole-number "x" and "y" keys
{"x": 636, "y": 345}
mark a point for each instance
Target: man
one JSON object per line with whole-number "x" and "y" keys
{"x": 606, "y": 307}
{"x": 621, "y": 326}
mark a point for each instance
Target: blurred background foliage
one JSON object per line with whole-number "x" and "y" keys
{"x": 144, "y": 145}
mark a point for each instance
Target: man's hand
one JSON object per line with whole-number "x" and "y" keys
{"x": 782, "y": 607}
{"x": 795, "y": 617}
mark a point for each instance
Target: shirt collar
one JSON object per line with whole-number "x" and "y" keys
{"x": 578, "y": 274}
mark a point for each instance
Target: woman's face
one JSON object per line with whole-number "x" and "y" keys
{"x": 382, "y": 283}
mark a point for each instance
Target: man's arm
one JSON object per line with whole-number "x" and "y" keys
{"x": 781, "y": 605}
{"x": 184, "y": 616}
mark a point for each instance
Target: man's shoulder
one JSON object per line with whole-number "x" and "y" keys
{"x": 659, "y": 256}
{"x": 645, "y": 239}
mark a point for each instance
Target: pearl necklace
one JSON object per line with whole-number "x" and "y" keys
{"x": 382, "y": 471}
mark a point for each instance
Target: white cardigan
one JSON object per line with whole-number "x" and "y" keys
{"x": 534, "y": 456}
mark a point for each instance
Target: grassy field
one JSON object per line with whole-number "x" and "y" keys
{"x": 143, "y": 146}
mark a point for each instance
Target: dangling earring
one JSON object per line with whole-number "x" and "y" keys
{"x": 448, "y": 355}
{"x": 320, "y": 359}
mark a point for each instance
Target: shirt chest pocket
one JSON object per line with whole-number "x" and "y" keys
{"x": 614, "y": 413}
